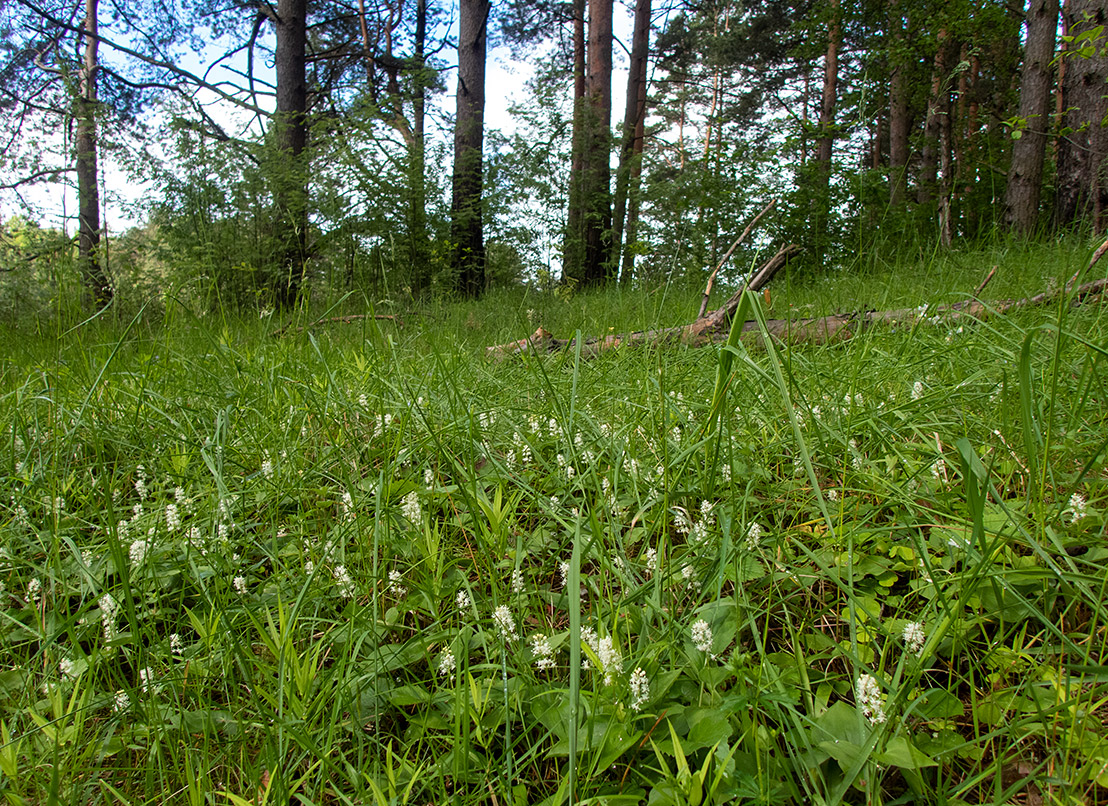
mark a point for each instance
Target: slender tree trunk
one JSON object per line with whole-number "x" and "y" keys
{"x": 938, "y": 105}
{"x": 1083, "y": 151}
{"x": 1025, "y": 174}
{"x": 98, "y": 290}
{"x": 597, "y": 169}
{"x": 825, "y": 142}
{"x": 417, "y": 211}
{"x": 898, "y": 109}
{"x": 573, "y": 251}
{"x": 469, "y": 129}
{"x": 634, "y": 118}
{"x": 946, "y": 176}
{"x": 291, "y": 140}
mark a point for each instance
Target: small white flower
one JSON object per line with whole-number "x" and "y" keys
{"x": 702, "y": 635}
{"x": 447, "y": 663}
{"x": 121, "y": 702}
{"x": 411, "y": 509}
{"x": 267, "y": 467}
{"x": 650, "y": 558}
{"x": 428, "y": 478}
{"x": 172, "y": 518}
{"x": 347, "y": 505}
{"x": 239, "y": 584}
{"x": 610, "y": 659}
{"x": 517, "y": 581}
{"x": 176, "y": 646}
{"x": 395, "y": 588}
{"x": 563, "y": 572}
{"x": 137, "y": 552}
{"x": 917, "y": 390}
{"x": 914, "y": 637}
{"x": 34, "y": 592}
{"x": 640, "y": 689}
{"x": 343, "y": 581}
{"x": 753, "y": 535}
{"x": 688, "y": 574}
{"x": 856, "y": 460}
{"x": 463, "y": 599}
{"x": 870, "y": 699}
{"x": 544, "y": 654}
{"x": 146, "y": 676}
{"x": 108, "y": 608}
{"x": 67, "y": 668}
{"x": 505, "y": 622}
{"x": 1077, "y": 507}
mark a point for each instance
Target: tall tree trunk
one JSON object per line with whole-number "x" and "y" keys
{"x": 573, "y": 250}
{"x": 98, "y": 290}
{"x": 466, "y": 230}
{"x": 938, "y": 105}
{"x": 898, "y": 109}
{"x": 1025, "y": 174}
{"x": 825, "y": 142}
{"x": 630, "y": 151}
{"x": 1082, "y": 152}
{"x": 417, "y": 211}
{"x": 291, "y": 140}
{"x": 597, "y": 168}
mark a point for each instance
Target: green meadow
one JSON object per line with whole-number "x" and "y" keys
{"x": 364, "y": 564}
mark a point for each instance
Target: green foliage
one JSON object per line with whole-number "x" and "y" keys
{"x": 38, "y": 275}
{"x": 372, "y": 566}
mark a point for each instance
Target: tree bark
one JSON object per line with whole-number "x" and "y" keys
{"x": 1025, "y": 174}
{"x": 898, "y": 109}
{"x": 597, "y": 169}
{"x": 98, "y": 290}
{"x": 630, "y": 152}
{"x": 938, "y": 106}
{"x": 290, "y": 124}
{"x": 825, "y": 142}
{"x": 417, "y": 151}
{"x": 466, "y": 230}
{"x": 1081, "y": 185}
{"x": 573, "y": 249}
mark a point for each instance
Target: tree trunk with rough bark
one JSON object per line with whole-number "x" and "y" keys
{"x": 898, "y": 109}
{"x": 938, "y": 106}
{"x": 1025, "y": 174}
{"x": 1082, "y": 188}
{"x": 631, "y": 145}
{"x": 417, "y": 208}
{"x": 290, "y": 125}
{"x": 98, "y": 290}
{"x": 597, "y": 168}
{"x": 821, "y": 201}
{"x": 466, "y": 232}
{"x": 573, "y": 247}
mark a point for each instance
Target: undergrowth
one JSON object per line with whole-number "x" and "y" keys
{"x": 365, "y": 565}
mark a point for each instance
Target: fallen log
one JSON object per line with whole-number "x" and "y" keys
{"x": 818, "y": 330}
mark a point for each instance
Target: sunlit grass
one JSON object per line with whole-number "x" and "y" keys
{"x": 362, "y": 564}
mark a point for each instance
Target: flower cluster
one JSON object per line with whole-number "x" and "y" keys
{"x": 702, "y": 635}
{"x": 640, "y": 689}
{"x": 870, "y": 699}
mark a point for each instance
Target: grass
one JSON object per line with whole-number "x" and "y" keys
{"x": 365, "y": 565}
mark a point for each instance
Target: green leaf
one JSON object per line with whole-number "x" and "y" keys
{"x": 900, "y": 752}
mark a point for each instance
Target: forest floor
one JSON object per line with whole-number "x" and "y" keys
{"x": 363, "y": 564}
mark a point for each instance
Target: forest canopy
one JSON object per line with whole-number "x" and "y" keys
{"x": 320, "y": 148}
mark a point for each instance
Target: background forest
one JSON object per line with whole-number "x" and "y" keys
{"x": 303, "y": 148}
